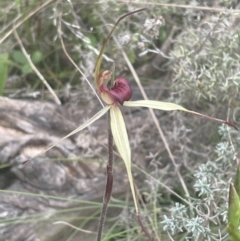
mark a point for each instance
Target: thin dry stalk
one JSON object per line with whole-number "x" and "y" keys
{"x": 136, "y": 78}
{"x": 56, "y": 99}
{"x": 20, "y": 22}
{"x": 175, "y": 5}
{"x": 71, "y": 60}
{"x": 164, "y": 186}
{"x": 74, "y": 227}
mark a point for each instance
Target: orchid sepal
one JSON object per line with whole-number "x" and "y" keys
{"x": 97, "y": 116}
{"x": 168, "y": 106}
{"x": 120, "y": 137}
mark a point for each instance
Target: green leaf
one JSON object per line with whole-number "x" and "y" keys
{"x": 37, "y": 57}
{"x": 237, "y": 181}
{"x": 19, "y": 57}
{"x": 26, "y": 69}
{"x": 3, "y": 71}
{"x": 233, "y": 232}
{"x": 233, "y": 207}
{"x": 131, "y": 55}
{"x": 93, "y": 39}
{"x": 120, "y": 137}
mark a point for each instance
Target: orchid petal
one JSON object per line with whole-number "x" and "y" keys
{"x": 167, "y": 106}
{"x": 84, "y": 125}
{"x": 99, "y": 59}
{"x": 121, "y": 140}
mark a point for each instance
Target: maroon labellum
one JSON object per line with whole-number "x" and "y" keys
{"x": 120, "y": 92}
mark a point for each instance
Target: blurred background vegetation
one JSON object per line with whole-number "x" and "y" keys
{"x": 192, "y": 59}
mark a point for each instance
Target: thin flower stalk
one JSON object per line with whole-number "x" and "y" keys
{"x": 109, "y": 182}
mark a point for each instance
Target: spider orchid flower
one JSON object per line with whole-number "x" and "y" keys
{"x": 120, "y": 94}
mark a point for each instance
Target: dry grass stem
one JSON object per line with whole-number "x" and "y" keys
{"x": 174, "y": 5}
{"x": 75, "y": 65}
{"x": 56, "y": 99}
{"x": 16, "y": 25}
{"x": 74, "y": 227}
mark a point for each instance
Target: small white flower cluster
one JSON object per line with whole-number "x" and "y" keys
{"x": 152, "y": 26}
